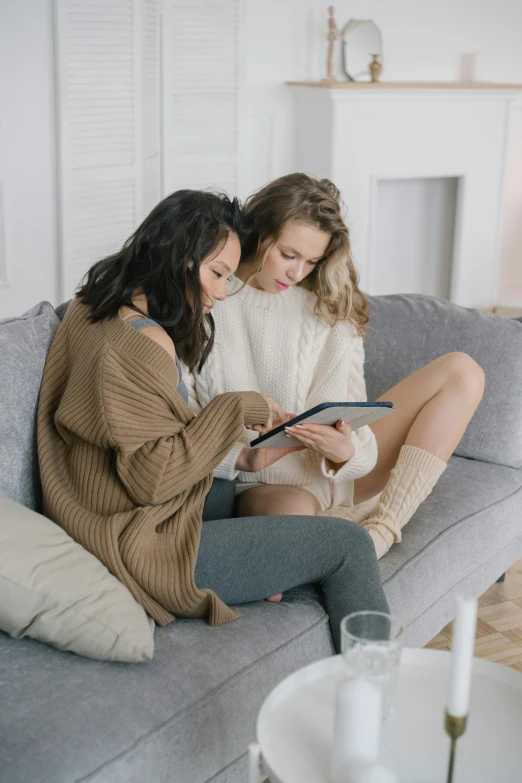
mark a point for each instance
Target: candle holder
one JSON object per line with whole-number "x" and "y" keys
{"x": 455, "y": 728}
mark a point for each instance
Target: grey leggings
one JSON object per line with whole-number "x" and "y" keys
{"x": 251, "y": 558}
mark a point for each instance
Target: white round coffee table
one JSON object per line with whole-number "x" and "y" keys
{"x": 295, "y": 724}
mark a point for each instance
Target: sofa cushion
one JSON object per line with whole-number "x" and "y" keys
{"x": 24, "y": 342}
{"x": 62, "y": 309}
{"x": 472, "y": 515}
{"x": 191, "y": 711}
{"x": 54, "y": 590}
{"x": 188, "y": 713}
{"x": 408, "y": 331}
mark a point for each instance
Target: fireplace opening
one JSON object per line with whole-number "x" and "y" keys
{"x": 414, "y": 236}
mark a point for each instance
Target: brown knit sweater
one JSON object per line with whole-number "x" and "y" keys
{"x": 126, "y": 466}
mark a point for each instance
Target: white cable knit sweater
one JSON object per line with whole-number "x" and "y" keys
{"x": 276, "y": 344}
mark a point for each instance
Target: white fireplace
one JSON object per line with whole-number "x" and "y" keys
{"x": 421, "y": 170}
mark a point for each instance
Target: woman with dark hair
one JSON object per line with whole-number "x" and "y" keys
{"x": 126, "y": 465}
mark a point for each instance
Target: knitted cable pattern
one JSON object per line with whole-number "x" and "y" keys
{"x": 278, "y": 345}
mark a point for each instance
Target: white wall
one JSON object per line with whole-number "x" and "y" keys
{"x": 510, "y": 276}
{"x": 279, "y": 41}
{"x": 27, "y": 154}
{"x": 423, "y": 40}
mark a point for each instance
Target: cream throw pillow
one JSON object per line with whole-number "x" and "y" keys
{"x": 55, "y": 591}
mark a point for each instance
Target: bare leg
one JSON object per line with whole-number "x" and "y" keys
{"x": 276, "y": 500}
{"x": 434, "y": 407}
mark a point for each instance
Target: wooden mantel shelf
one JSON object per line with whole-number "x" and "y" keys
{"x": 333, "y": 85}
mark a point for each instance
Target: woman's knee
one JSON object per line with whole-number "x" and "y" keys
{"x": 363, "y": 541}
{"x": 466, "y": 372}
{"x": 352, "y": 539}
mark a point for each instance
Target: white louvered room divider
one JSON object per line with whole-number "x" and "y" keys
{"x": 200, "y": 94}
{"x": 108, "y": 94}
{"x": 147, "y": 103}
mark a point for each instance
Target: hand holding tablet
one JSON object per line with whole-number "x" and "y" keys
{"x": 356, "y": 414}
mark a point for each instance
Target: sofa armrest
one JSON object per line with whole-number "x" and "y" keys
{"x": 407, "y": 331}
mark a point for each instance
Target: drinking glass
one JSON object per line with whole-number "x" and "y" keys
{"x": 371, "y": 644}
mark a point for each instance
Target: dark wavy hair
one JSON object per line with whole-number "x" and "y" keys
{"x": 161, "y": 260}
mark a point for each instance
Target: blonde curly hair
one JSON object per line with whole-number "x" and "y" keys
{"x": 300, "y": 198}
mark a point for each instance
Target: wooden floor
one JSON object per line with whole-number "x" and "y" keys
{"x": 499, "y": 624}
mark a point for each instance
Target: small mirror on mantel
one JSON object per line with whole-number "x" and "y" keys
{"x": 362, "y": 50}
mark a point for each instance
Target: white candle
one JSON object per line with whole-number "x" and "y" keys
{"x": 357, "y": 726}
{"x": 462, "y": 657}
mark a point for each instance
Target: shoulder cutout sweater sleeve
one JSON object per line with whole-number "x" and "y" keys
{"x": 159, "y": 455}
{"x": 350, "y": 374}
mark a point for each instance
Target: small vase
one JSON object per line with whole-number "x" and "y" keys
{"x": 375, "y": 68}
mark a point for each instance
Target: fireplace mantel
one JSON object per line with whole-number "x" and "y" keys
{"x": 360, "y": 134}
{"x": 377, "y": 86}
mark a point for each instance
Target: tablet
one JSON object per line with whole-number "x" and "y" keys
{"x": 356, "y": 414}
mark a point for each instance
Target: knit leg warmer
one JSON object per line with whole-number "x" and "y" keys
{"x": 412, "y": 479}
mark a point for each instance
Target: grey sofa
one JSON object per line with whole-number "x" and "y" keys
{"x": 188, "y": 716}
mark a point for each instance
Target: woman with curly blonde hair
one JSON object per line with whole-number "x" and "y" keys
{"x": 294, "y": 330}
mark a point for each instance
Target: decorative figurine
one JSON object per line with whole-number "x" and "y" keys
{"x": 375, "y": 68}
{"x": 333, "y": 35}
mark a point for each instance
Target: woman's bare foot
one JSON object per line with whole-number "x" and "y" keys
{"x": 275, "y": 598}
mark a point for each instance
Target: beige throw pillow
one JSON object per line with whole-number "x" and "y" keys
{"x": 55, "y": 591}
